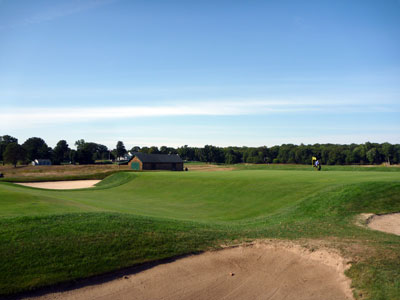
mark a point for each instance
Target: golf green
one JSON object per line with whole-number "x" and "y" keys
{"x": 52, "y": 236}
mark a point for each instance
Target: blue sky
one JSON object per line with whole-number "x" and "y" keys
{"x": 200, "y": 72}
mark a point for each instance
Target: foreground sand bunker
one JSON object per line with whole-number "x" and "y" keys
{"x": 389, "y": 223}
{"x": 259, "y": 271}
{"x": 62, "y": 185}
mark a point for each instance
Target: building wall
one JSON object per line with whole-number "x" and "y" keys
{"x": 163, "y": 166}
{"x": 157, "y": 166}
{"x": 135, "y": 159}
{"x": 41, "y": 163}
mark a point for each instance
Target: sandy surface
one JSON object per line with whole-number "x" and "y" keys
{"x": 389, "y": 223}
{"x": 257, "y": 271}
{"x": 62, "y": 185}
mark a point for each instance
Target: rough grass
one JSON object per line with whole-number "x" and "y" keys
{"x": 49, "y": 236}
{"x": 63, "y": 172}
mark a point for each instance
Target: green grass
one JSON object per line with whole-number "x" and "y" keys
{"x": 45, "y": 250}
{"x": 293, "y": 167}
{"x": 50, "y": 236}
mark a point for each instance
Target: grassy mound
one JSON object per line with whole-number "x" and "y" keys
{"x": 38, "y": 251}
{"x": 49, "y": 236}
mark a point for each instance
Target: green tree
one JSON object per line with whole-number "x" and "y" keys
{"x": 61, "y": 152}
{"x": 87, "y": 153}
{"x": 349, "y": 158}
{"x": 388, "y": 151}
{"x": 168, "y": 150}
{"x": 4, "y": 141}
{"x": 232, "y": 156}
{"x": 254, "y": 156}
{"x": 164, "y": 150}
{"x": 396, "y": 154}
{"x": 186, "y": 153}
{"x": 372, "y": 155}
{"x": 14, "y": 153}
{"x": 213, "y": 154}
{"x": 286, "y": 153}
{"x": 73, "y": 156}
{"x": 101, "y": 152}
{"x": 273, "y": 153}
{"x": 79, "y": 143}
{"x": 303, "y": 154}
{"x": 145, "y": 150}
{"x": 357, "y": 155}
{"x": 135, "y": 149}
{"x": 153, "y": 150}
{"x": 36, "y": 148}
{"x": 121, "y": 151}
{"x": 336, "y": 155}
{"x": 199, "y": 155}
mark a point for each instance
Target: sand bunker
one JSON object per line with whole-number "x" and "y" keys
{"x": 62, "y": 185}
{"x": 389, "y": 223}
{"x": 257, "y": 271}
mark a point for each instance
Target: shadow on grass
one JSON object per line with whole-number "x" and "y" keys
{"x": 97, "y": 279}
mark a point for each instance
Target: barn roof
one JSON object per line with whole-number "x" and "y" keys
{"x": 158, "y": 158}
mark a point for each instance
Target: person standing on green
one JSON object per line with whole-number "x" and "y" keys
{"x": 318, "y": 165}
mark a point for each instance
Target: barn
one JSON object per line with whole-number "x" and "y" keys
{"x": 144, "y": 161}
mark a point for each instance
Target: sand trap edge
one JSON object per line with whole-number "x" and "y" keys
{"x": 308, "y": 250}
{"x": 368, "y": 220}
{"x": 61, "y": 185}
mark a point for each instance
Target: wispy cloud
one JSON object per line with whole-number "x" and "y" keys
{"x": 25, "y": 117}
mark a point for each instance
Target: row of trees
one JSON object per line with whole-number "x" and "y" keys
{"x": 36, "y": 148}
{"x": 331, "y": 154}
{"x": 89, "y": 152}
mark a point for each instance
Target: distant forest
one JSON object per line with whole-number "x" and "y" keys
{"x": 88, "y": 153}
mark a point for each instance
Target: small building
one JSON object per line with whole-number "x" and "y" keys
{"x": 41, "y": 162}
{"x": 144, "y": 161}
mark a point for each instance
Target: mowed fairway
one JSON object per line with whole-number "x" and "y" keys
{"x": 200, "y": 196}
{"x": 49, "y": 236}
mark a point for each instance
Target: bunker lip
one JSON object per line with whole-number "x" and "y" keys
{"x": 389, "y": 223}
{"x": 61, "y": 185}
{"x": 268, "y": 269}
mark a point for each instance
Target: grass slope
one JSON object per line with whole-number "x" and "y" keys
{"x": 49, "y": 236}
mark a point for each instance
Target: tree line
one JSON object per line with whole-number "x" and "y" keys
{"x": 330, "y": 154}
{"x": 36, "y": 148}
{"x": 89, "y": 152}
